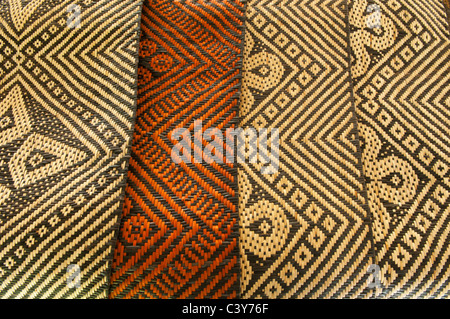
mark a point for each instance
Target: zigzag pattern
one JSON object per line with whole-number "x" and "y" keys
{"x": 178, "y": 236}
{"x": 296, "y": 79}
{"x": 66, "y": 107}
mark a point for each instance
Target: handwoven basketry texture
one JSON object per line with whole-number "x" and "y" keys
{"x": 68, "y": 88}
{"x": 179, "y": 229}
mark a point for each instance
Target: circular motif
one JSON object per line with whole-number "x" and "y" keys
{"x": 146, "y": 48}
{"x": 265, "y": 229}
{"x": 162, "y": 62}
{"x": 136, "y": 229}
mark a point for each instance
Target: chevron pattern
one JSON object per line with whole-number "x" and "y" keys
{"x": 305, "y": 231}
{"x": 179, "y": 229}
{"x": 402, "y": 96}
{"x": 357, "y": 90}
{"x": 67, "y": 102}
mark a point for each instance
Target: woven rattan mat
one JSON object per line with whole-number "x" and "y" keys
{"x": 311, "y": 69}
{"x": 401, "y": 75}
{"x": 304, "y": 228}
{"x": 179, "y": 229}
{"x": 351, "y": 198}
{"x": 67, "y": 104}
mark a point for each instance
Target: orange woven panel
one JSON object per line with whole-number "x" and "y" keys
{"x": 179, "y": 231}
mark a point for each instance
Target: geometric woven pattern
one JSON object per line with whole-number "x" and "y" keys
{"x": 305, "y": 231}
{"x": 447, "y": 5}
{"x": 67, "y": 103}
{"x": 115, "y": 172}
{"x": 401, "y": 78}
{"x": 179, "y": 229}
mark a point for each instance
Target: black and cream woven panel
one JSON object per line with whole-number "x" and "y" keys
{"x": 67, "y": 108}
{"x": 274, "y": 149}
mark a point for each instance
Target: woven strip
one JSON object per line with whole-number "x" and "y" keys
{"x": 178, "y": 236}
{"x": 304, "y": 229}
{"x": 402, "y": 95}
{"x": 447, "y": 6}
{"x": 67, "y": 102}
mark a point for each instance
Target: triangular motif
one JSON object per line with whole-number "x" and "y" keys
{"x": 67, "y": 156}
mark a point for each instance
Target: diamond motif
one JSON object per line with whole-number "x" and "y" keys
{"x": 299, "y": 199}
{"x": 282, "y": 100}
{"x": 292, "y": 50}
{"x": 422, "y": 223}
{"x": 388, "y": 275}
{"x": 407, "y": 54}
{"x": 259, "y": 21}
{"x": 401, "y": 257}
{"x": 394, "y": 4}
{"x": 294, "y": 89}
{"x": 411, "y": 143}
{"x": 385, "y": 118}
{"x": 281, "y": 40}
{"x": 270, "y": 30}
{"x": 304, "y": 60}
{"x": 314, "y": 212}
{"x": 260, "y": 122}
{"x": 405, "y": 15}
{"x": 271, "y": 111}
{"x": 387, "y": 72}
{"x": 440, "y": 168}
{"x": 397, "y": 63}
{"x": 316, "y": 238}
{"x": 273, "y": 289}
{"x": 288, "y": 274}
{"x": 371, "y": 107}
{"x": 417, "y": 44}
{"x": 397, "y": 131}
{"x": 304, "y": 78}
{"x": 284, "y": 186}
{"x": 416, "y": 27}
{"x": 303, "y": 256}
{"x": 315, "y": 69}
{"x": 329, "y": 224}
{"x": 426, "y": 156}
{"x": 441, "y": 194}
{"x": 378, "y": 81}
{"x": 265, "y": 227}
{"x": 412, "y": 239}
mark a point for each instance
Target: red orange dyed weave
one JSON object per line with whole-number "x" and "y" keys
{"x": 179, "y": 231}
